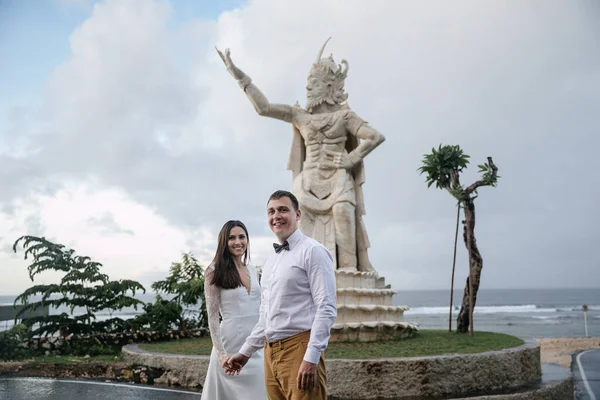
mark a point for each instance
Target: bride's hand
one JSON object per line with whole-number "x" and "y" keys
{"x": 223, "y": 360}
{"x": 233, "y": 70}
{"x": 226, "y": 365}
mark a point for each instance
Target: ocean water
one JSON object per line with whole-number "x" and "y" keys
{"x": 521, "y": 312}
{"x": 125, "y": 313}
{"x": 533, "y": 313}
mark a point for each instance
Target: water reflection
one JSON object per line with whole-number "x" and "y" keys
{"x": 55, "y": 389}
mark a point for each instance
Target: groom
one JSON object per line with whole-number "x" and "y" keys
{"x": 298, "y": 307}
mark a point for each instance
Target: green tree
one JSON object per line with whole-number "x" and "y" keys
{"x": 443, "y": 167}
{"x": 185, "y": 284}
{"x": 161, "y": 315}
{"x": 83, "y": 288}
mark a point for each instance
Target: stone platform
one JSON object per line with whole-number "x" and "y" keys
{"x": 365, "y": 309}
{"x": 510, "y": 374}
{"x": 514, "y": 374}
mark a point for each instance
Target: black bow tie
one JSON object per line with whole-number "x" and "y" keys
{"x": 279, "y": 247}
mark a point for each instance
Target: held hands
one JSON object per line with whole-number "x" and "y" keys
{"x": 223, "y": 361}
{"x": 307, "y": 374}
{"x": 234, "y": 364}
{"x": 233, "y": 70}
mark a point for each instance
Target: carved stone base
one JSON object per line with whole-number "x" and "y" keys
{"x": 375, "y": 297}
{"x": 364, "y": 309}
{"x": 371, "y": 331}
{"x": 360, "y": 280}
{"x": 349, "y": 313}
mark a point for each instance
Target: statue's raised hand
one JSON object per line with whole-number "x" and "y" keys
{"x": 233, "y": 70}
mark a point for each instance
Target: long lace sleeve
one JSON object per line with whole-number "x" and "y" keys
{"x": 213, "y": 304}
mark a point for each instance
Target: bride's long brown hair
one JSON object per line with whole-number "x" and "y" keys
{"x": 226, "y": 275}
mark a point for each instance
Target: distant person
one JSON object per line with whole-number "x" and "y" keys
{"x": 298, "y": 307}
{"x": 232, "y": 290}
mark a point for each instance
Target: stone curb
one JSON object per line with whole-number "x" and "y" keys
{"x": 440, "y": 376}
{"x": 180, "y": 370}
{"x": 443, "y": 376}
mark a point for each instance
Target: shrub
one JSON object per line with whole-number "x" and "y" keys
{"x": 13, "y": 343}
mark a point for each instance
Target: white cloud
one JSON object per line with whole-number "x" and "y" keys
{"x": 131, "y": 240}
{"x": 63, "y": 218}
{"x": 183, "y": 147}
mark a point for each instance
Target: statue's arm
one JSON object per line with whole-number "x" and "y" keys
{"x": 262, "y": 106}
{"x": 257, "y": 98}
{"x": 370, "y": 139}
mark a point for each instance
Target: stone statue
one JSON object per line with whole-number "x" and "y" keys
{"x": 328, "y": 147}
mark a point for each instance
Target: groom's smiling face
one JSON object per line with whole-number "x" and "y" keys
{"x": 282, "y": 217}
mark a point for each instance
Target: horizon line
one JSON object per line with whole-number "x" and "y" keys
{"x": 424, "y": 290}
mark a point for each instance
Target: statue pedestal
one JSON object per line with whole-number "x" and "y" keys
{"x": 364, "y": 309}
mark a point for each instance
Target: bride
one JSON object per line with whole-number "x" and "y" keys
{"x": 232, "y": 289}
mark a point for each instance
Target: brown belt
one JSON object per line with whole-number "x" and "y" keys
{"x": 288, "y": 339}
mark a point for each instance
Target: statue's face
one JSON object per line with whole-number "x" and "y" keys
{"x": 317, "y": 91}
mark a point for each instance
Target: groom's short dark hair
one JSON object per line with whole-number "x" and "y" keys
{"x": 284, "y": 193}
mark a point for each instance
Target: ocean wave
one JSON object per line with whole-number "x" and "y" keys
{"x": 548, "y": 321}
{"x": 526, "y": 308}
{"x": 571, "y": 308}
{"x": 429, "y": 310}
{"x": 553, "y": 317}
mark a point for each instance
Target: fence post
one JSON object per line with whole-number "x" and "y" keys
{"x": 585, "y": 310}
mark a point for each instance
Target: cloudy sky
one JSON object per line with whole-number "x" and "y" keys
{"x": 123, "y": 136}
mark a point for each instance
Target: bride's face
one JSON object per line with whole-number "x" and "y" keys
{"x": 237, "y": 241}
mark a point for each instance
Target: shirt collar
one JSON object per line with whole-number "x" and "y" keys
{"x": 294, "y": 239}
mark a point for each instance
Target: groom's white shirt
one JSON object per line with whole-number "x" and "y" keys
{"x": 297, "y": 294}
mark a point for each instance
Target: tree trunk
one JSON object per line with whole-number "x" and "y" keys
{"x": 453, "y": 267}
{"x": 475, "y": 265}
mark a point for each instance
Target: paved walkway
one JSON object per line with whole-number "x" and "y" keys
{"x": 586, "y": 374}
{"x": 76, "y": 389}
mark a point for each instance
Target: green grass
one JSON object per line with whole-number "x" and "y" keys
{"x": 196, "y": 346}
{"x": 73, "y": 359}
{"x": 424, "y": 343}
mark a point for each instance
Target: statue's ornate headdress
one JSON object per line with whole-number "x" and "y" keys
{"x": 327, "y": 71}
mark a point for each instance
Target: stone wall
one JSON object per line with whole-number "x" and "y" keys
{"x": 562, "y": 390}
{"x": 435, "y": 377}
{"x": 185, "y": 371}
{"x": 448, "y": 376}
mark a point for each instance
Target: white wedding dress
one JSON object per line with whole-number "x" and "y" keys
{"x": 239, "y": 311}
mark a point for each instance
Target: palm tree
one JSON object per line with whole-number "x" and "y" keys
{"x": 443, "y": 167}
